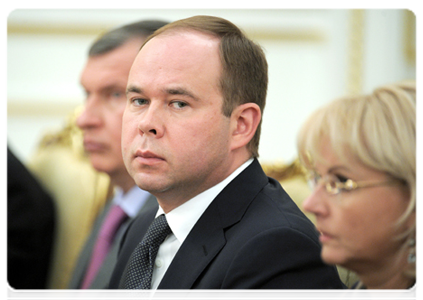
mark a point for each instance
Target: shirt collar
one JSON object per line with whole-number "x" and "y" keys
{"x": 183, "y": 218}
{"x": 132, "y": 201}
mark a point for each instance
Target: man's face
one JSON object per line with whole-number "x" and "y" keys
{"x": 104, "y": 80}
{"x": 175, "y": 140}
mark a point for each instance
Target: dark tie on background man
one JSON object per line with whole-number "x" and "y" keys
{"x": 111, "y": 225}
{"x": 139, "y": 271}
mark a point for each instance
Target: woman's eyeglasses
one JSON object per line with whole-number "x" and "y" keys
{"x": 334, "y": 185}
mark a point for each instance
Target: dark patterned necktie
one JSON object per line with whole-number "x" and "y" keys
{"x": 140, "y": 267}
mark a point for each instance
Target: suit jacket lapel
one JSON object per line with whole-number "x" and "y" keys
{"x": 207, "y": 237}
{"x": 199, "y": 248}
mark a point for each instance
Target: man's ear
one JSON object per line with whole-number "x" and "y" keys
{"x": 245, "y": 119}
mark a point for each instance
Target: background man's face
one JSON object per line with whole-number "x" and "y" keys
{"x": 104, "y": 79}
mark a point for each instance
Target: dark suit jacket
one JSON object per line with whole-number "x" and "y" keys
{"x": 31, "y": 220}
{"x": 251, "y": 236}
{"x": 103, "y": 276}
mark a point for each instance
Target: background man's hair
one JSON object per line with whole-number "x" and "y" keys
{"x": 119, "y": 36}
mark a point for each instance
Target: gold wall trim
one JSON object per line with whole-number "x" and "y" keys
{"x": 410, "y": 37}
{"x": 293, "y": 35}
{"x": 296, "y": 35}
{"x": 54, "y": 29}
{"x": 355, "y": 52}
{"x": 40, "y": 108}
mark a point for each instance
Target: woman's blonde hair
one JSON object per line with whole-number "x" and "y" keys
{"x": 379, "y": 130}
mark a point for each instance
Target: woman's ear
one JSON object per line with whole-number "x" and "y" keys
{"x": 245, "y": 120}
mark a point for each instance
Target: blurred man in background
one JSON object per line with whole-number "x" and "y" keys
{"x": 104, "y": 80}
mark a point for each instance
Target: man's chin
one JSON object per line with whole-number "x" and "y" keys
{"x": 100, "y": 165}
{"x": 148, "y": 183}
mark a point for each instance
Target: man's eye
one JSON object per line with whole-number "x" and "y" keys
{"x": 139, "y": 101}
{"x": 179, "y": 104}
{"x": 117, "y": 94}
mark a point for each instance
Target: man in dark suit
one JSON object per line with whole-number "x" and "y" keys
{"x": 191, "y": 129}
{"x": 31, "y": 220}
{"x": 104, "y": 79}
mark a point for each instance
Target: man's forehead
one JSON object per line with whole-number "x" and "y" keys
{"x": 184, "y": 35}
{"x": 178, "y": 54}
{"x": 178, "y": 45}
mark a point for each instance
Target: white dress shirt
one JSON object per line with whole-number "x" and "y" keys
{"x": 181, "y": 220}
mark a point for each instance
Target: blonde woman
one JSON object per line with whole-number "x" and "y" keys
{"x": 361, "y": 154}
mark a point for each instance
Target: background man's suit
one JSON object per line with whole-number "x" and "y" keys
{"x": 103, "y": 276}
{"x": 251, "y": 236}
{"x": 31, "y": 220}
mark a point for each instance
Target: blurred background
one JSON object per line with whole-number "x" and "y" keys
{"x": 314, "y": 56}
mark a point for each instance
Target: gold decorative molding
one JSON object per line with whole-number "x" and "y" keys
{"x": 410, "y": 36}
{"x": 288, "y": 34}
{"x": 39, "y": 108}
{"x": 292, "y": 35}
{"x": 355, "y": 52}
{"x": 282, "y": 171}
{"x": 55, "y": 29}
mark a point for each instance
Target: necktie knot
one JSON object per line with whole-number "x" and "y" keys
{"x": 157, "y": 232}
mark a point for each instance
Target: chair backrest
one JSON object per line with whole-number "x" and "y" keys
{"x": 79, "y": 193}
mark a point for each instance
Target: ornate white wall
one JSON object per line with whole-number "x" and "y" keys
{"x": 314, "y": 56}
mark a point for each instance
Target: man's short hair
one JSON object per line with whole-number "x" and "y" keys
{"x": 118, "y": 36}
{"x": 244, "y": 77}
